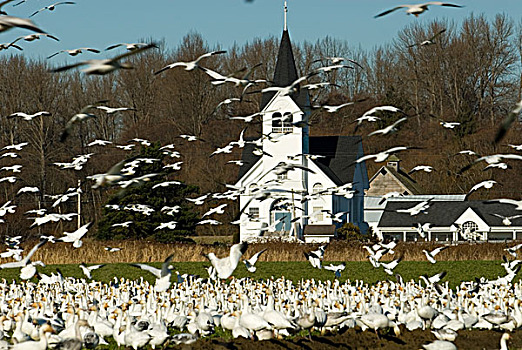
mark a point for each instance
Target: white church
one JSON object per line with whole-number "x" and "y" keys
{"x": 298, "y": 204}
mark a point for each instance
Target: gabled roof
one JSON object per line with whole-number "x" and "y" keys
{"x": 248, "y": 157}
{"x": 444, "y": 213}
{"x": 411, "y": 185}
{"x": 285, "y": 74}
{"x": 340, "y": 152}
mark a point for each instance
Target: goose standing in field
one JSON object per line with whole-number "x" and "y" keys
{"x": 440, "y": 345}
{"x": 225, "y": 266}
{"x": 417, "y": 9}
{"x": 87, "y": 270}
{"x": 250, "y": 263}
{"x": 191, "y": 65}
{"x": 105, "y": 66}
{"x": 74, "y": 52}
{"x": 52, "y": 7}
{"x": 430, "y": 255}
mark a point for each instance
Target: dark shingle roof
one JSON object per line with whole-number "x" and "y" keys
{"x": 285, "y": 74}
{"x": 444, "y": 213}
{"x": 248, "y": 157}
{"x": 340, "y": 152}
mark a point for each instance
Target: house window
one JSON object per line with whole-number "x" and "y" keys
{"x": 317, "y": 214}
{"x": 253, "y": 212}
{"x": 469, "y": 226}
{"x": 317, "y": 188}
{"x": 282, "y": 123}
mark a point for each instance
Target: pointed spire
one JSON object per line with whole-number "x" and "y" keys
{"x": 286, "y": 73}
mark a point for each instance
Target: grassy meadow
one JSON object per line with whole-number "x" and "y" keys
{"x": 462, "y": 262}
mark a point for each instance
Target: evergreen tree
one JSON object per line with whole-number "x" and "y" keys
{"x": 144, "y": 225}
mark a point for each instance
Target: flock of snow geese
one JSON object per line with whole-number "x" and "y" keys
{"x": 67, "y": 313}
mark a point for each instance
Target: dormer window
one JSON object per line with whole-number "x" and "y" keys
{"x": 282, "y": 124}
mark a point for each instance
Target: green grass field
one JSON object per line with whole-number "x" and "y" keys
{"x": 457, "y": 271}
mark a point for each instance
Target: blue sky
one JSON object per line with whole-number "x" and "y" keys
{"x": 100, "y": 23}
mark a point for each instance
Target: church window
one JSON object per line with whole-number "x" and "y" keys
{"x": 318, "y": 214}
{"x": 282, "y": 123}
{"x": 317, "y": 188}
{"x": 253, "y": 212}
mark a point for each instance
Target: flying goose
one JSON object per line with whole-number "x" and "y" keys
{"x": 128, "y": 46}
{"x": 425, "y": 168}
{"x": 429, "y": 41}
{"x": 105, "y": 66}
{"x": 88, "y": 269}
{"x": 389, "y": 129}
{"x": 416, "y": 9}
{"x": 75, "y": 236}
{"x": 25, "y": 260}
{"x": 491, "y": 159}
{"x": 250, "y": 263}
{"x": 506, "y": 123}
{"x": 74, "y": 52}
{"x": 416, "y": 209}
{"x": 52, "y": 7}
{"x": 225, "y": 266}
{"x": 382, "y": 156}
{"x": 189, "y": 66}
{"x": 430, "y": 255}
{"x": 486, "y": 184}
{"x": 9, "y": 22}
{"x": 506, "y": 220}
{"x": 76, "y": 119}
{"x": 29, "y": 117}
{"x": 32, "y": 37}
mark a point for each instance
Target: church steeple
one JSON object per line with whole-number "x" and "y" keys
{"x": 286, "y": 72}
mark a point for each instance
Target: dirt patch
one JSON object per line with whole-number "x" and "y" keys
{"x": 356, "y": 339}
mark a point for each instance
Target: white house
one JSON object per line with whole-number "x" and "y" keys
{"x": 285, "y": 203}
{"x": 452, "y": 221}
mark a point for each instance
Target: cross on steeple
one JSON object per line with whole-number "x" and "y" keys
{"x": 285, "y": 12}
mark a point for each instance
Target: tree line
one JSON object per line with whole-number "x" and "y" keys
{"x": 471, "y": 74}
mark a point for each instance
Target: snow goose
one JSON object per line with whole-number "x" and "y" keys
{"x": 184, "y": 338}
{"x": 29, "y": 117}
{"x": 26, "y": 260}
{"x": 105, "y": 66}
{"x": 88, "y": 269}
{"x": 388, "y": 129}
{"x": 382, "y": 156}
{"x": 162, "y": 275}
{"x": 506, "y": 123}
{"x": 425, "y": 168}
{"x": 486, "y": 184}
{"x": 36, "y": 345}
{"x": 191, "y": 65}
{"x": 225, "y": 266}
{"x": 52, "y": 7}
{"x": 74, "y": 52}
{"x": 416, "y": 9}
{"x": 336, "y": 269}
{"x": 250, "y": 263}
{"x": 75, "y": 236}
{"x": 506, "y": 220}
{"x": 440, "y": 345}
{"x": 9, "y": 22}
{"x": 516, "y": 203}
{"x": 430, "y": 255}
{"x": 430, "y": 41}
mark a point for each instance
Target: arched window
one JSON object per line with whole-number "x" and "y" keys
{"x": 282, "y": 123}
{"x": 469, "y": 226}
{"x": 317, "y": 188}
